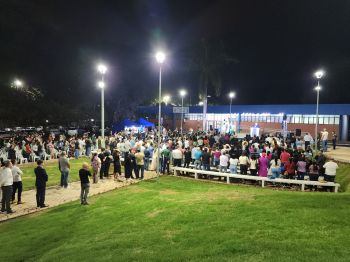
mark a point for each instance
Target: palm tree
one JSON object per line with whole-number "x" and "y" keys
{"x": 208, "y": 59}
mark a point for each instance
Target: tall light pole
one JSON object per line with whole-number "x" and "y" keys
{"x": 182, "y": 94}
{"x": 102, "y": 69}
{"x": 231, "y": 95}
{"x": 319, "y": 74}
{"x": 160, "y": 58}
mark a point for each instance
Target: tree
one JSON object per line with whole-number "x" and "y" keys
{"x": 208, "y": 59}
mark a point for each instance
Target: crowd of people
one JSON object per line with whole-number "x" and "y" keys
{"x": 266, "y": 156}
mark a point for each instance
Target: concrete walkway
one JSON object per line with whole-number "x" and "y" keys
{"x": 341, "y": 154}
{"x": 56, "y": 195}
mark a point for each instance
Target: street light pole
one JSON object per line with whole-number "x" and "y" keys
{"x": 103, "y": 115}
{"x": 319, "y": 75}
{"x": 102, "y": 70}
{"x": 182, "y": 112}
{"x": 159, "y": 120}
{"x": 231, "y": 96}
{"x": 160, "y": 57}
{"x": 182, "y": 94}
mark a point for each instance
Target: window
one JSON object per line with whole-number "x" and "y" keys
{"x": 336, "y": 120}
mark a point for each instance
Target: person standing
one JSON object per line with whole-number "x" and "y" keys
{"x": 96, "y": 166}
{"x": 334, "y": 139}
{"x": 17, "y": 182}
{"x": 88, "y": 144}
{"x": 324, "y": 139}
{"x": 233, "y": 165}
{"x": 165, "y": 160}
{"x": 206, "y": 159}
{"x": 253, "y": 165}
{"x": 41, "y": 178}
{"x": 147, "y": 156}
{"x": 64, "y": 166}
{"x": 188, "y": 157}
{"x": 117, "y": 170}
{"x": 76, "y": 149}
{"x": 127, "y": 166}
{"x": 263, "y": 165}
{"x": 301, "y": 168}
{"x": 307, "y": 140}
{"x": 6, "y": 181}
{"x": 102, "y": 158}
{"x": 177, "y": 156}
{"x": 330, "y": 170}
{"x": 107, "y": 162}
{"x": 243, "y": 163}
{"x": 84, "y": 174}
{"x": 223, "y": 162}
{"x": 140, "y": 162}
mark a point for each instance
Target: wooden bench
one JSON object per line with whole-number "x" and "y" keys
{"x": 263, "y": 180}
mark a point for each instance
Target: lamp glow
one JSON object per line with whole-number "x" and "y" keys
{"x": 318, "y": 88}
{"x": 166, "y": 99}
{"x": 160, "y": 57}
{"x": 232, "y": 94}
{"x": 319, "y": 74}
{"x": 18, "y": 83}
{"x": 102, "y": 69}
{"x": 182, "y": 93}
{"x": 101, "y": 84}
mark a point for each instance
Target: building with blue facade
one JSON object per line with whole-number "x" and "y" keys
{"x": 333, "y": 117}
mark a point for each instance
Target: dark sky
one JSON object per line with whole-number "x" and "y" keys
{"x": 55, "y": 45}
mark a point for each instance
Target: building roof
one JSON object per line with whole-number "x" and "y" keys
{"x": 303, "y": 109}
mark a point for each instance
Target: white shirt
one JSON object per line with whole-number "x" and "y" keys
{"x": 324, "y": 136}
{"x": 177, "y": 154}
{"x": 331, "y": 168}
{"x": 308, "y": 138}
{"x": 223, "y": 160}
{"x": 6, "y": 178}
{"x": 234, "y": 161}
{"x": 243, "y": 160}
{"x": 16, "y": 174}
{"x": 187, "y": 143}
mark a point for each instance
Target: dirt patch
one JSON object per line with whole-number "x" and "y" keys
{"x": 212, "y": 196}
{"x": 168, "y": 192}
{"x": 170, "y": 234}
{"x": 154, "y": 213}
{"x": 136, "y": 189}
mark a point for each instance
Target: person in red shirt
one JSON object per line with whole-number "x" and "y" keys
{"x": 290, "y": 168}
{"x": 284, "y": 156}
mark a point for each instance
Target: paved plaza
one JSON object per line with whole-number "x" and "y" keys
{"x": 341, "y": 154}
{"x": 56, "y": 195}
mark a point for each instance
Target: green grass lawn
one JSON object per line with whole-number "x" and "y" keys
{"x": 343, "y": 177}
{"x": 181, "y": 219}
{"x": 54, "y": 174}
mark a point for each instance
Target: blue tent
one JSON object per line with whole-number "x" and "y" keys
{"x": 145, "y": 123}
{"x": 123, "y": 124}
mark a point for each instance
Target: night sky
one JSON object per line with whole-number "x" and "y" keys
{"x": 55, "y": 45}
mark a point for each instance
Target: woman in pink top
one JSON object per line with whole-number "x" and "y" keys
{"x": 263, "y": 165}
{"x": 301, "y": 168}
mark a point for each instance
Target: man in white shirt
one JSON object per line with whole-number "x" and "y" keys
{"x": 243, "y": 163}
{"x": 17, "y": 182}
{"x": 177, "y": 156}
{"x": 307, "y": 140}
{"x": 6, "y": 181}
{"x": 324, "y": 139}
{"x": 330, "y": 170}
{"x": 223, "y": 162}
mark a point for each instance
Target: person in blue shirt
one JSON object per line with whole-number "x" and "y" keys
{"x": 197, "y": 158}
